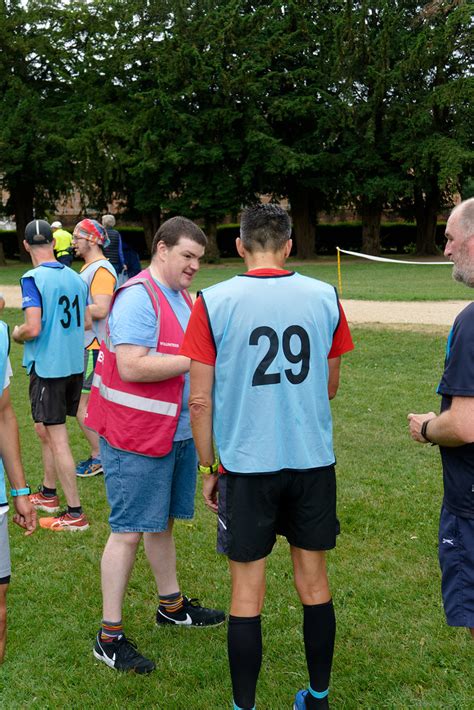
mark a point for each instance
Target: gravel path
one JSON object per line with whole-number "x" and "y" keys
{"x": 403, "y": 312}
{"x": 392, "y": 312}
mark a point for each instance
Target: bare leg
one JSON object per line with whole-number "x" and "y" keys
{"x": 311, "y": 580}
{"x": 161, "y": 554}
{"x": 49, "y": 469}
{"x": 472, "y": 632}
{"x": 3, "y": 620}
{"x": 90, "y": 435}
{"x": 248, "y": 587}
{"x": 117, "y": 564}
{"x": 65, "y": 466}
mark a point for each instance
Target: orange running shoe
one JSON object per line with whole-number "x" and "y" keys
{"x": 50, "y": 504}
{"x": 64, "y": 521}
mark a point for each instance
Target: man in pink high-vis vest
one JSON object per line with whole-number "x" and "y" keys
{"x": 139, "y": 407}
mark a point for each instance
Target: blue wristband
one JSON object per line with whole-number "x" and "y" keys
{"x": 20, "y": 491}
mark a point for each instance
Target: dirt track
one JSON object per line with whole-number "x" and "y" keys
{"x": 392, "y": 312}
{"x": 434, "y": 313}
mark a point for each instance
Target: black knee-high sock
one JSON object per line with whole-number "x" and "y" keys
{"x": 319, "y": 631}
{"x": 244, "y": 644}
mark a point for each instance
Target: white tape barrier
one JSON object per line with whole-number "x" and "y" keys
{"x": 395, "y": 261}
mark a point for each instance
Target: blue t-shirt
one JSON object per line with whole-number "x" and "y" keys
{"x": 30, "y": 296}
{"x": 133, "y": 322}
{"x": 458, "y": 381}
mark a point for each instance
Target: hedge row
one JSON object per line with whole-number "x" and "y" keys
{"x": 396, "y": 237}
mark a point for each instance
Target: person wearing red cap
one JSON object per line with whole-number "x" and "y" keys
{"x": 89, "y": 240}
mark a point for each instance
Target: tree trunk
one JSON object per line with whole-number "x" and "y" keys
{"x": 426, "y": 215}
{"x": 3, "y": 261}
{"x": 22, "y": 201}
{"x": 302, "y": 213}
{"x": 151, "y": 223}
{"x": 371, "y": 215}
{"x": 212, "y": 255}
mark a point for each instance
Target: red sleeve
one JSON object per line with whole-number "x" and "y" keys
{"x": 198, "y": 343}
{"x": 342, "y": 339}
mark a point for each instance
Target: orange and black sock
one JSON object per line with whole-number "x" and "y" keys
{"x": 171, "y": 603}
{"x": 111, "y": 630}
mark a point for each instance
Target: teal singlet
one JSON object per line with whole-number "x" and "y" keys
{"x": 58, "y": 351}
{"x": 272, "y": 337}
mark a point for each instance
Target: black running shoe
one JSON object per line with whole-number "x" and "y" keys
{"x": 192, "y": 614}
{"x": 122, "y": 655}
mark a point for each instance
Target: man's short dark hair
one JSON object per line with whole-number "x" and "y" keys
{"x": 265, "y": 228}
{"x": 173, "y": 229}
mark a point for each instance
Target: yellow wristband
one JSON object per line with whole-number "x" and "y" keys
{"x": 208, "y": 470}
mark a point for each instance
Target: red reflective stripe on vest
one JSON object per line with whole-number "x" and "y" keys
{"x": 140, "y": 417}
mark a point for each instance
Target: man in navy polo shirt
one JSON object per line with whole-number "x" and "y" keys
{"x": 453, "y": 431}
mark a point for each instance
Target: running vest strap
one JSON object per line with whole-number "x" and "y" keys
{"x": 140, "y": 417}
{"x": 58, "y": 351}
{"x": 4, "y": 349}
{"x": 271, "y": 405}
{"x": 87, "y": 275}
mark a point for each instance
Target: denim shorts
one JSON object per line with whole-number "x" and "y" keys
{"x": 456, "y": 559}
{"x": 5, "y": 569}
{"x": 144, "y": 492}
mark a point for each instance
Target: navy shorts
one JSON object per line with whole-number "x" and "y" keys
{"x": 456, "y": 559}
{"x": 254, "y": 509}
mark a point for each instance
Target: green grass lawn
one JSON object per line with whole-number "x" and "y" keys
{"x": 393, "y": 649}
{"x": 360, "y": 279}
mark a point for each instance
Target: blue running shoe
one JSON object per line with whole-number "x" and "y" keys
{"x": 300, "y": 701}
{"x": 88, "y": 468}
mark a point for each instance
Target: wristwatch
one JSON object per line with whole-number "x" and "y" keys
{"x": 207, "y": 470}
{"x": 15, "y": 492}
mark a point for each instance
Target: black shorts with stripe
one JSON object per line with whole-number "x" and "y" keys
{"x": 54, "y": 398}
{"x": 254, "y": 509}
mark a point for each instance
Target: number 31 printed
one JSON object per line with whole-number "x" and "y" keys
{"x": 261, "y": 376}
{"x": 67, "y": 316}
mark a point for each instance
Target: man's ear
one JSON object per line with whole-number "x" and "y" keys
{"x": 161, "y": 249}
{"x": 240, "y": 247}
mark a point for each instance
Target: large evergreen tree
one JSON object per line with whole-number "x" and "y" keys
{"x": 34, "y": 161}
{"x": 433, "y": 140}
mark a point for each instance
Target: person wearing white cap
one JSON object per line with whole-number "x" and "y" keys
{"x": 62, "y": 243}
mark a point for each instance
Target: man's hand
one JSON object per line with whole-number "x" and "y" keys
{"x": 25, "y": 515}
{"x": 209, "y": 491}
{"x": 415, "y": 422}
{"x": 16, "y": 335}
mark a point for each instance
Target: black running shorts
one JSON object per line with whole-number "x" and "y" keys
{"x": 54, "y": 398}
{"x": 254, "y": 509}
